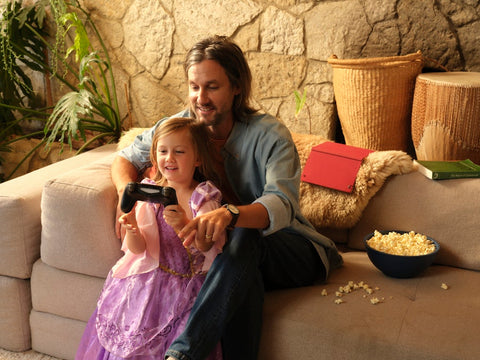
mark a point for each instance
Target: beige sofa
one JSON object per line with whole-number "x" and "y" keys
{"x": 65, "y": 213}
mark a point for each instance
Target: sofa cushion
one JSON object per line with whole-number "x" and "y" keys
{"x": 14, "y": 312}
{"x": 54, "y": 291}
{"x": 78, "y": 220}
{"x": 55, "y": 335}
{"x": 20, "y": 213}
{"x": 415, "y": 318}
{"x": 446, "y": 210}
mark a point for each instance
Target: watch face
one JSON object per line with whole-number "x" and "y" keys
{"x": 233, "y": 209}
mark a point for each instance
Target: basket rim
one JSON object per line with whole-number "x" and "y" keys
{"x": 386, "y": 61}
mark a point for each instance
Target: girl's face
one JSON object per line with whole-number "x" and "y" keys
{"x": 177, "y": 158}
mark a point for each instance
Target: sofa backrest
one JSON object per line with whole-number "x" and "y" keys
{"x": 446, "y": 210}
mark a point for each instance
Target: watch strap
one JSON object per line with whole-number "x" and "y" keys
{"x": 235, "y": 213}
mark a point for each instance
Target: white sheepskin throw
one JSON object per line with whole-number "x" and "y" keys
{"x": 128, "y": 137}
{"x": 325, "y": 207}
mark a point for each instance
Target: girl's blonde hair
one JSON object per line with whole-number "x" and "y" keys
{"x": 198, "y": 136}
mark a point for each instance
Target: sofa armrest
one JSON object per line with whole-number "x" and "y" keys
{"x": 20, "y": 212}
{"x": 78, "y": 220}
{"x": 446, "y": 210}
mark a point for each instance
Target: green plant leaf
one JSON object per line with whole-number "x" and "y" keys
{"x": 299, "y": 101}
{"x": 92, "y": 106}
{"x": 65, "y": 121}
{"x": 81, "y": 42}
{"x": 40, "y": 11}
{"x": 86, "y": 66}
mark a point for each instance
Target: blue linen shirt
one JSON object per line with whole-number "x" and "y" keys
{"x": 262, "y": 165}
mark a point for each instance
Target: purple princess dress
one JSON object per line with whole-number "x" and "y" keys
{"x": 147, "y": 298}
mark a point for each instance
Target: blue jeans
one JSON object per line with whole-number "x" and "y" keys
{"x": 230, "y": 302}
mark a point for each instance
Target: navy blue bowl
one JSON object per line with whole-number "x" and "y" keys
{"x": 400, "y": 266}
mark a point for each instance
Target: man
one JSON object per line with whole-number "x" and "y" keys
{"x": 271, "y": 245}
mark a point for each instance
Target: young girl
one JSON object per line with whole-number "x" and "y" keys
{"x": 148, "y": 294}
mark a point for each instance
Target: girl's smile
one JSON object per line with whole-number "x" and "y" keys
{"x": 176, "y": 158}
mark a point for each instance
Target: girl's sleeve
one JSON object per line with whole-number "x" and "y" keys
{"x": 130, "y": 263}
{"x": 205, "y": 198}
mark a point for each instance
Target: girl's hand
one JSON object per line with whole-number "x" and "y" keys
{"x": 175, "y": 216}
{"x": 133, "y": 237}
{"x": 129, "y": 221}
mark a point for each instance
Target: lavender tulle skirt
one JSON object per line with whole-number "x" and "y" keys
{"x": 138, "y": 317}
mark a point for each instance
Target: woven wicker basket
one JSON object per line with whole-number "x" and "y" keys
{"x": 374, "y": 99}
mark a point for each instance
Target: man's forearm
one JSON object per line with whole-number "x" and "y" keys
{"x": 123, "y": 172}
{"x": 253, "y": 216}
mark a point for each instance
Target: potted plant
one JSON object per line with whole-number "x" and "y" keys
{"x": 16, "y": 92}
{"x": 90, "y": 106}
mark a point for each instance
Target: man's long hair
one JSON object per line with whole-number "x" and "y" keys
{"x": 231, "y": 58}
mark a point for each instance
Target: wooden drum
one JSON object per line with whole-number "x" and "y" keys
{"x": 446, "y": 116}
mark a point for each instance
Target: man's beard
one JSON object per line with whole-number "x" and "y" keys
{"x": 211, "y": 120}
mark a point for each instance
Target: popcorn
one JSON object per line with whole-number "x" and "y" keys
{"x": 351, "y": 286}
{"x": 368, "y": 290}
{"x": 407, "y": 244}
{"x": 374, "y": 300}
{"x": 345, "y": 289}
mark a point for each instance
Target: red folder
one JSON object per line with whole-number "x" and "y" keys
{"x": 334, "y": 165}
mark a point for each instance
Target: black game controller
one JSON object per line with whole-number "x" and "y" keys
{"x": 145, "y": 192}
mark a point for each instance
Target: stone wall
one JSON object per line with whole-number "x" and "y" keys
{"x": 287, "y": 43}
{"x": 40, "y": 157}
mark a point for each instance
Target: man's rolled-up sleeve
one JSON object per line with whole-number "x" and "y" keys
{"x": 138, "y": 153}
{"x": 279, "y": 213}
{"x": 280, "y": 192}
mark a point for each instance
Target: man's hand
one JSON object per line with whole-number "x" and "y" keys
{"x": 119, "y": 230}
{"x": 122, "y": 173}
{"x": 204, "y": 230}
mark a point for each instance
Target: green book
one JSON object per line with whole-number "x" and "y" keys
{"x": 442, "y": 170}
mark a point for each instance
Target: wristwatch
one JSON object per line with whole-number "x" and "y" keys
{"x": 235, "y": 213}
